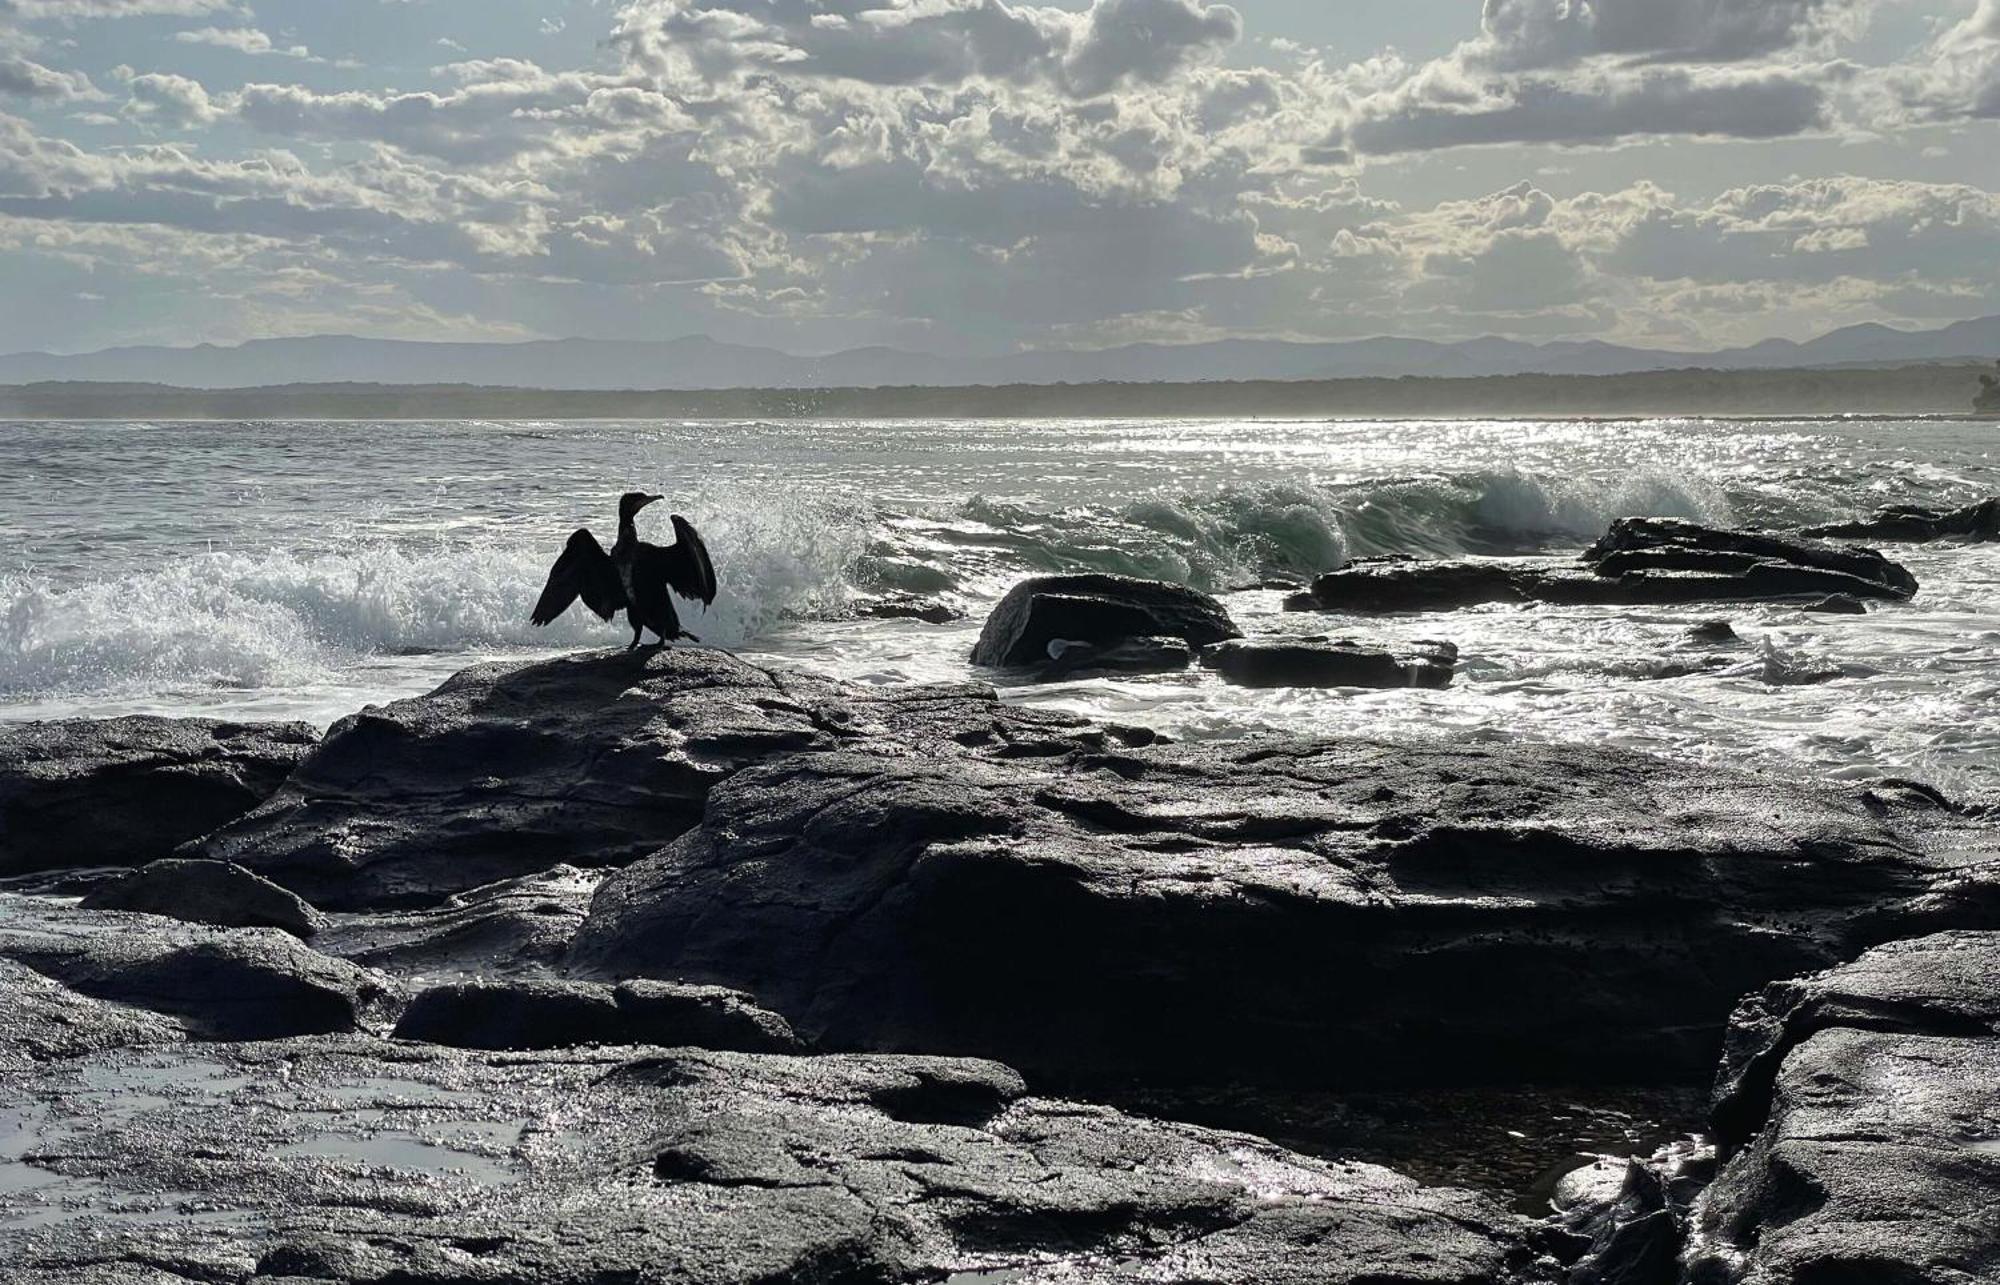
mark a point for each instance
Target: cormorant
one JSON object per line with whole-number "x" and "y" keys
{"x": 634, "y": 576}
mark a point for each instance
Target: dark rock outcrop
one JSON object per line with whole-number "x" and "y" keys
{"x": 1914, "y": 524}
{"x": 1097, "y": 609}
{"x": 545, "y": 1013}
{"x": 208, "y": 892}
{"x": 1632, "y": 543}
{"x": 124, "y": 791}
{"x": 1862, "y": 1111}
{"x": 517, "y": 925}
{"x": 1320, "y": 662}
{"x": 225, "y": 984}
{"x": 376, "y": 1162}
{"x": 1640, "y": 561}
{"x": 588, "y": 760}
{"x": 1128, "y": 656}
{"x": 1342, "y": 912}
{"x": 909, "y": 606}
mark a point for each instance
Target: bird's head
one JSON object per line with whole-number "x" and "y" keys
{"x": 631, "y": 502}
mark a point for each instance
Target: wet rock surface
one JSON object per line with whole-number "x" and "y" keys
{"x": 1344, "y": 913}
{"x": 216, "y": 983}
{"x": 1322, "y": 662}
{"x": 1101, "y": 610}
{"x": 208, "y": 892}
{"x": 555, "y": 1014}
{"x": 1128, "y": 656}
{"x": 356, "y": 1160}
{"x": 1910, "y": 523}
{"x": 1862, "y": 1110}
{"x": 1640, "y": 561}
{"x": 124, "y": 791}
{"x": 514, "y": 926}
{"x": 591, "y": 760}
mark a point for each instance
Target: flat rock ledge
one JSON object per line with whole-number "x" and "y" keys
{"x": 356, "y": 1160}
{"x": 590, "y": 760}
{"x": 1862, "y": 1107}
{"x": 1640, "y": 561}
{"x": 1285, "y": 911}
{"x": 125, "y": 791}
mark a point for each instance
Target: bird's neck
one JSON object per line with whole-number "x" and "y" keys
{"x": 628, "y": 534}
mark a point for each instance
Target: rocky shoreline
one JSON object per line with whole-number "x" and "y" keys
{"x": 665, "y": 966}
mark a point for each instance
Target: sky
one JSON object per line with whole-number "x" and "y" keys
{"x": 979, "y": 176}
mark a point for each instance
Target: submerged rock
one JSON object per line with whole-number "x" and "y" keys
{"x": 1640, "y": 561}
{"x": 1319, "y": 662}
{"x": 369, "y": 1161}
{"x": 1129, "y": 656}
{"x": 1912, "y": 523}
{"x": 124, "y": 791}
{"x": 587, "y": 760}
{"x": 909, "y": 606}
{"x": 1101, "y": 610}
{"x": 1863, "y": 1116}
{"x": 208, "y": 892}
{"x": 1287, "y": 910}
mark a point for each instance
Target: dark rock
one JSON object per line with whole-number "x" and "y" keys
{"x": 47, "y": 1021}
{"x": 1306, "y": 662}
{"x": 224, "y": 984}
{"x": 517, "y": 1014}
{"x": 1640, "y": 561}
{"x": 1710, "y": 633}
{"x": 1128, "y": 656}
{"x": 1946, "y": 984}
{"x": 909, "y": 606}
{"x": 1095, "y": 609}
{"x": 709, "y": 1017}
{"x": 589, "y": 760}
{"x": 1861, "y": 1110}
{"x": 371, "y": 1162}
{"x": 208, "y": 892}
{"x": 1430, "y": 586}
{"x": 124, "y": 791}
{"x": 546, "y": 1013}
{"x": 1911, "y": 523}
{"x": 1344, "y": 913}
{"x": 1672, "y": 536}
{"x": 1631, "y": 1218}
{"x": 502, "y": 928}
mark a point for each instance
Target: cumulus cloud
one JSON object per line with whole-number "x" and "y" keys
{"x": 80, "y": 10}
{"x": 1013, "y": 172}
{"x": 22, "y": 77}
{"x": 244, "y": 40}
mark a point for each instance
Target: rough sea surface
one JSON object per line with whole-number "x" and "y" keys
{"x": 301, "y": 570}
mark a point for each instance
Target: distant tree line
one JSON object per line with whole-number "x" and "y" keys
{"x": 1932, "y": 389}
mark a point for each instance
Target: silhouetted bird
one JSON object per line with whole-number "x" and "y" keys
{"x": 634, "y": 576}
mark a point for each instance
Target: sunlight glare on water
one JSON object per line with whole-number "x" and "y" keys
{"x": 304, "y": 569}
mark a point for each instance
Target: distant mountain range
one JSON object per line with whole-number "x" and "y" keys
{"x": 699, "y": 362}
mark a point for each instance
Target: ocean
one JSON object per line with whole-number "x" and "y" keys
{"x": 302, "y": 570}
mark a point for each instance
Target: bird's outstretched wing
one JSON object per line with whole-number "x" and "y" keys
{"x": 583, "y": 571}
{"x": 686, "y": 564}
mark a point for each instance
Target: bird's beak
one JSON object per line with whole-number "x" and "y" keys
{"x": 653, "y": 499}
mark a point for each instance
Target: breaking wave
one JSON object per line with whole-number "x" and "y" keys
{"x": 243, "y": 619}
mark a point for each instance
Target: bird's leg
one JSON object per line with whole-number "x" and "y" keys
{"x": 637, "y": 632}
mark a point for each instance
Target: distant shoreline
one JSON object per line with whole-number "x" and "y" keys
{"x": 1903, "y": 391}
